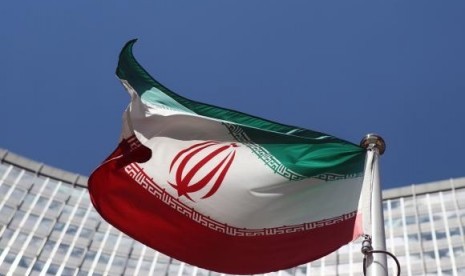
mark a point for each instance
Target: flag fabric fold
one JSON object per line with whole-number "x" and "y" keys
{"x": 224, "y": 190}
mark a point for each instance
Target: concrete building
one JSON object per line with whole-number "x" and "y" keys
{"x": 49, "y": 227}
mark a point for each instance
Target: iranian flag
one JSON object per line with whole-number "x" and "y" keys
{"x": 223, "y": 190}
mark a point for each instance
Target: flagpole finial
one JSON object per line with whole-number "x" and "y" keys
{"x": 373, "y": 141}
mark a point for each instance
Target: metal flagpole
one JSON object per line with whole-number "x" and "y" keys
{"x": 376, "y": 263}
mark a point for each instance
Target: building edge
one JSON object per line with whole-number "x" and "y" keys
{"x": 42, "y": 169}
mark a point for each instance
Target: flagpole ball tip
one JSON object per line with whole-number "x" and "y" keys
{"x": 375, "y": 140}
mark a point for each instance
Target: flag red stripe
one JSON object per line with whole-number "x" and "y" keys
{"x": 129, "y": 207}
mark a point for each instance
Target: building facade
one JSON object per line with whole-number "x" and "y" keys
{"x": 48, "y": 226}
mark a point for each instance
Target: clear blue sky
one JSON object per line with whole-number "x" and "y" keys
{"x": 346, "y": 68}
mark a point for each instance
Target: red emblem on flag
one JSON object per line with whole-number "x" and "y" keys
{"x": 197, "y": 166}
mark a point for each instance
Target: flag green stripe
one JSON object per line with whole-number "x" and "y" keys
{"x": 303, "y": 151}
{"x": 130, "y": 70}
{"x": 299, "y": 156}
